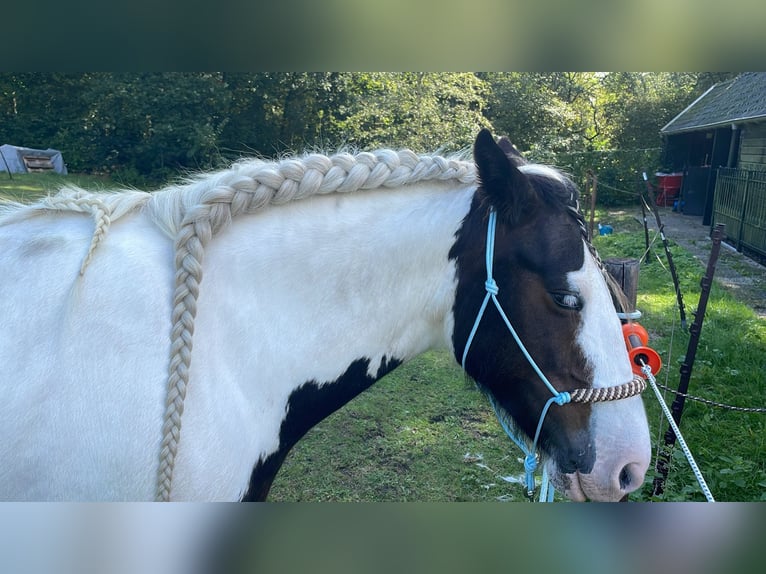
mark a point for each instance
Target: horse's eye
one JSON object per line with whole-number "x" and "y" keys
{"x": 568, "y": 300}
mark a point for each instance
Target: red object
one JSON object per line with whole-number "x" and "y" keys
{"x": 669, "y": 185}
{"x": 636, "y": 339}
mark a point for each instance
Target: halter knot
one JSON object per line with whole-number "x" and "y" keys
{"x": 562, "y": 398}
{"x": 530, "y": 462}
{"x": 491, "y": 286}
{"x": 530, "y": 465}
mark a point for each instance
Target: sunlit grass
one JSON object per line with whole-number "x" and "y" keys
{"x": 27, "y": 187}
{"x": 423, "y": 433}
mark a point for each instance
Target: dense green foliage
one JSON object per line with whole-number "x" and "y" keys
{"x": 144, "y": 128}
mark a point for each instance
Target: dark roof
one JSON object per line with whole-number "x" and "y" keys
{"x": 737, "y": 100}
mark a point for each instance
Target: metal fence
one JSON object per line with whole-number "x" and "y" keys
{"x": 740, "y": 203}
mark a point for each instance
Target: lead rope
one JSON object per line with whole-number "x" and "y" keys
{"x": 647, "y": 370}
{"x": 531, "y": 458}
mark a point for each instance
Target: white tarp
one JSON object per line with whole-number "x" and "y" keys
{"x": 12, "y": 158}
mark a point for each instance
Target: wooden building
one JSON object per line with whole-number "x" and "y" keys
{"x": 719, "y": 143}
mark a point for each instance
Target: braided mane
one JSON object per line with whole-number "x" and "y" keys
{"x": 193, "y": 213}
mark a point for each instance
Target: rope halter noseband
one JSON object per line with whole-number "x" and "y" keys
{"x": 584, "y": 395}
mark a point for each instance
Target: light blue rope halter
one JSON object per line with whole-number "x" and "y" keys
{"x": 531, "y": 459}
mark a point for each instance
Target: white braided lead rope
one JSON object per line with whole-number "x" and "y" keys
{"x": 646, "y": 369}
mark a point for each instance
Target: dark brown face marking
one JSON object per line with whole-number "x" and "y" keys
{"x": 538, "y": 242}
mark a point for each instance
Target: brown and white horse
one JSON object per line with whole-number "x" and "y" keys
{"x": 126, "y": 376}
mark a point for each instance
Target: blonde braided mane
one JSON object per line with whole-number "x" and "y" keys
{"x": 193, "y": 213}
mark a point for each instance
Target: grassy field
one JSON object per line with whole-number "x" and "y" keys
{"x": 28, "y": 187}
{"x": 424, "y": 433}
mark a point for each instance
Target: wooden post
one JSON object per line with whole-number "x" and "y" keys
{"x": 625, "y": 273}
{"x": 593, "y": 181}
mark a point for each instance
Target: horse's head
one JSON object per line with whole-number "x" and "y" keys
{"x": 553, "y": 291}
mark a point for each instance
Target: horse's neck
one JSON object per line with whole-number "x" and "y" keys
{"x": 329, "y": 280}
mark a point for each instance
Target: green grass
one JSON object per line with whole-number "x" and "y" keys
{"x": 406, "y": 438}
{"x": 28, "y": 187}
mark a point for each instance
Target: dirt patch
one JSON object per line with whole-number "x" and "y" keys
{"x": 743, "y": 277}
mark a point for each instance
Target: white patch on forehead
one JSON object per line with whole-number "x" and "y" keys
{"x": 618, "y": 429}
{"x": 600, "y": 335}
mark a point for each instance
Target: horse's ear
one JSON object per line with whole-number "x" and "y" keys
{"x": 508, "y": 189}
{"x": 510, "y": 150}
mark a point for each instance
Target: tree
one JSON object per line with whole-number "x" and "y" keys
{"x": 547, "y": 113}
{"x": 638, "y": 105}
{"x": 421, "y": 111}
{"x": 154, "y": 124}
{"x": 41, "y": 110}
{"x": 273, "y": 113}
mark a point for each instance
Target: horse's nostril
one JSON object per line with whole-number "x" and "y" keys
{"x": 629, "y": 475}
